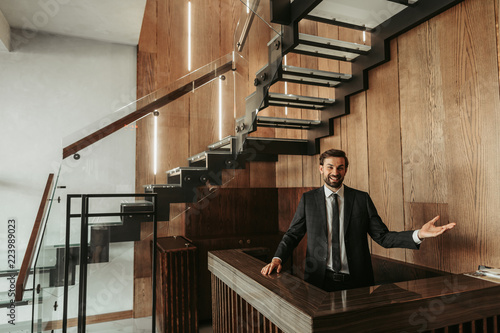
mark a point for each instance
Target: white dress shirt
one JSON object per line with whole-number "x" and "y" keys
{"x": 344, "y": 268}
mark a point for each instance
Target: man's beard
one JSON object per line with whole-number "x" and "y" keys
{"x": 332, "y": 183}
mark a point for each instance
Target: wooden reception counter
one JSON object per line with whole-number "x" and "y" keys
{"x": 245, "y": 301}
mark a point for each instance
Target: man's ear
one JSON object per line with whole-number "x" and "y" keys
{"x": 320, "y": 168}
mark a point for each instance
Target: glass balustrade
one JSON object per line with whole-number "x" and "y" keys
{"x": 152, "y": 143}
{"x": 200, "y": 110}
{"x": 49, "y": 264}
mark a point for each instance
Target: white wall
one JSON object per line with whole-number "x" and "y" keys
{"x": 4, "y": 34}
{"x": 51, "y": 87}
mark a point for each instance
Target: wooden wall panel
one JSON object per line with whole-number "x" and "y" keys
{"x": 172, "y": 41}
{"x": 422, "y": 136}
{"x": 384, "y": 146}
{"x": 205, "y": 31}
{"x": 354, "y": 142}
{"x": 471, "y": 104}
{"x": 449, "y": 114}
{"x": 204, "y": 122}
{"x": 230, "y": 12}
{"x": 497, "y": 23}
{"x": 422, "y": 124}
{"x": 422, "y": 116}
{"x": 288, "y": 200}
{"x": 434, "y": 253}
{"x": 260, "y": 174}
{"x": 147, "y": 38}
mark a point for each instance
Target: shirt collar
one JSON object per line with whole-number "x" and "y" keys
{"x": 329, "y": 192}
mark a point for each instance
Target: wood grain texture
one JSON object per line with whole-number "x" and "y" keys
{"x": 354, "y": 142}
{"x": 147, "y": 38}
{"x": 230, "y": 11}
{"x": 231, "y": 218}
{"x": 176, "y": 286}
{"x": 289, "y": 199}
{"x": 207, "y": 23}
{"x": 433, "y": 140}
{"x": 471, "y": 104}
{"x": 422, "y": 116}
{"x": 292, "y": 305}
{"x": 172, "y": 41}
{"x": 143, "y": 296}
{"x": 449, "y": 112}
{"x": 384, "y": 146}
{"x": 434, "y": 253}
{"x": 203, "y": 122}
{"x": 497, "y": 24}
{"x": 229, "y": 212}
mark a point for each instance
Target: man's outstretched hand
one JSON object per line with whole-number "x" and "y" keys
{"x": 269, "y": 268}
{"x": 430, "y": 230}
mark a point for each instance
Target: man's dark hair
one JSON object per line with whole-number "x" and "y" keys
{"x": 334, "y": 153}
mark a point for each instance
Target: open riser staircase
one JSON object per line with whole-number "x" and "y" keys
{"x": 382, "y": 19}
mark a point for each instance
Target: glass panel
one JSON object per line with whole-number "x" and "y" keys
{"x": 254, "y": 37}
{"x": 49, "y": 266}
{"x": 118, "y": 274}
{"x": 171, "y": 125}
{"x": 252, "y": 10}
{"x": 141, "y": 107}
{"x": 110, "y": 268}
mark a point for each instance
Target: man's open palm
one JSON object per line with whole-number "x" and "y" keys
{"x": 431, "y": 230}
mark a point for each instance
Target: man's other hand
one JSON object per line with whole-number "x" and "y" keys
{"x": 430, "y": 230}
{"x": 269, "y": 268}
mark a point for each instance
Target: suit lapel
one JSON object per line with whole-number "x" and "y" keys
{"x": 348, "y": 204}
{"x": 320, "y": 200}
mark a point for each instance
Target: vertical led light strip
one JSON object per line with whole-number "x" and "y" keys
{"x": 220, "y": 108}
{"x": 364, "y": 36}
{"x": 189, "y": 36}
{"x": 286, "y": 87}
{"x": 155, "y": 145}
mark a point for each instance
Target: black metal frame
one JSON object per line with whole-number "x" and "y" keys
{"x": 84, "y": 215}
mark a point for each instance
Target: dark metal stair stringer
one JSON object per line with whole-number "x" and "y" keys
{"x": 379, "y": 54}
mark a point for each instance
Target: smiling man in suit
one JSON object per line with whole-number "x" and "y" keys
{"x": 337, "y": 219}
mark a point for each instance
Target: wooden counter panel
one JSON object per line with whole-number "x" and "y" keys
{"x": 292, "y": 305}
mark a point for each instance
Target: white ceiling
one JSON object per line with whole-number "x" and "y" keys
{"x": 115, "y": 21}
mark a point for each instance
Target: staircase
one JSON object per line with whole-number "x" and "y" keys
{"x": 379, "y": 20}
{"x": 382, "y": 20}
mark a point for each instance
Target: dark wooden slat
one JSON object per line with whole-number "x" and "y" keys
{"x": 143, "y": 111}
{"x": 22, "y": 278}
{"x": 177, "y": 295}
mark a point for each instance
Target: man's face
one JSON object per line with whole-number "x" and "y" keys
{"x": 333, "y": 171}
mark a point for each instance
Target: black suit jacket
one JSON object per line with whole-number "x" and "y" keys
{"x": 360, "y": 218}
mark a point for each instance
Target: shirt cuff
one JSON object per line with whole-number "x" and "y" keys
{"x": 415, "y": 237}
{"x": 278, "y": 258}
